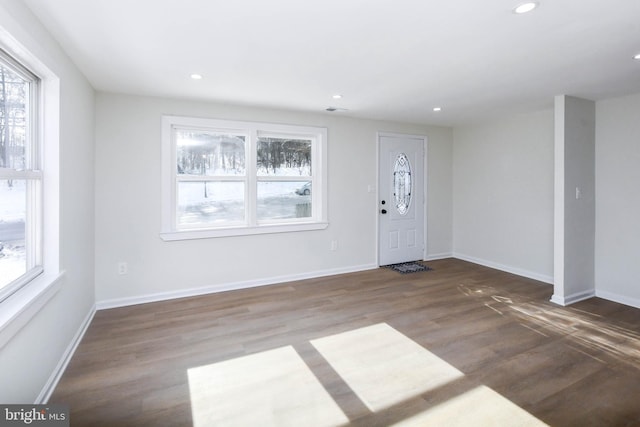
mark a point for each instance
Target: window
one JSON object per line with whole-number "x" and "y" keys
{"x": 223, "y": 178}
{"x": 20, "y": 178}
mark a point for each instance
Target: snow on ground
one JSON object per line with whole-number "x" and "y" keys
{"x": 12, "y": 200}
{"x": 219, "y": 202}
{"x": 12, "y": 210}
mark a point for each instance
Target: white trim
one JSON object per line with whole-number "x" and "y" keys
{"x": 513, "y": 270}
{"x": 621, "y": 299}
{"x": 559, "y": 196}
{"x": 557, "y": 300}
{"x": 241, "y": 231}
{"x": 19, "y": 308}
{"x": 572, "y": 299}
{"x": 425, "y": 192}
{"x": 435, "y": 257}
{"x": 164, "y": 296}
{"x": 29, "y": 174}
{"x": 51, "y": 384}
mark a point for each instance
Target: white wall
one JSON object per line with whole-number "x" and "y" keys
{"x": 618, "y": 199}
{"x": 128, "y": 205}
{"x": 28, "y": 360}
{"x": 440, "y": 194}
{"x": 503, "y": 194}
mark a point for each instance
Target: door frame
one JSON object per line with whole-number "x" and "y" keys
{"x": 425, "y": 146}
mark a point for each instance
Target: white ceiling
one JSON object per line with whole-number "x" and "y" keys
{"x": 390, "y": 59}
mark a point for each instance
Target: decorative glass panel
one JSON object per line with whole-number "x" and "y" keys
{"x": 210, "y": 203}
{"x": 402, "y": 183}
{"x": 209, "y": 153}
{"x": 284, "y": 157}
{"x": 283, "y": 200}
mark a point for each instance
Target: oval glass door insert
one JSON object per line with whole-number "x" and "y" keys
{"x": 402, "y": 183}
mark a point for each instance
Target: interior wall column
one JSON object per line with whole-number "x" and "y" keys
{"x": 574, "y": 200}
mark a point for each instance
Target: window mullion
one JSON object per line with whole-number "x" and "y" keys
{"x": 20, "y": 174}
{"x": 172, "y": 166}
{"x": 210, "y": 178}
{"x": 251, "y": 201}
{"x": 316, "y": 162}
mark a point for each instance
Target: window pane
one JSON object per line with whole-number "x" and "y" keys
{"x": 14, "y": 96}
{"x": 209, "y": 153}
{"x": 210, "y": 203}
{"x": 284, "y": 157}
{"x": 283, "y": 200}
{"x": 13, "y": 203}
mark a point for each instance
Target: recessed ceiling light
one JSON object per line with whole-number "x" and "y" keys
{"x": 525, "y": 7}
{"x": 337, "y": 96}
{"x": 637, "y": 56}
{"x": 196, "y": 76}
{"x": 436, "y": 109}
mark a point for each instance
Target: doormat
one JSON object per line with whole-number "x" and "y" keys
{"x": 408, "y": 267}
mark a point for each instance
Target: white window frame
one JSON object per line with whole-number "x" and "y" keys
{"x": 251, "y": 225}
{"x": 41, "y": 285}
{"x": 32, "y": 175}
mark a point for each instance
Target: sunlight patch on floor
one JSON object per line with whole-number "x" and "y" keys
{"x": 480, "y": 406}
{"x": 272, "y": 388}
{"x": 583, "y": 327}
{"x": 384, "y": 367}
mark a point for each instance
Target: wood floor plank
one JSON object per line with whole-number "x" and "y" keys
{"x": 565, "y": 366}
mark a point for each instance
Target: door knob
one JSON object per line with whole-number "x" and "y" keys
{"x": 383, "y": 211}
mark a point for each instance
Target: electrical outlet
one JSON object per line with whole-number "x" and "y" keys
{"x": 334, "y": 245}
{"x": 122, "y": 268}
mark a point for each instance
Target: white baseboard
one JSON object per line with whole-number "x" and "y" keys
{"x": 622, "y": 299}
{"x": 51, "y": 384}
{"x": 163, "y": 296}
{"x": 573, "y": 298}
{"x": 434, "y": 257}
{"x": 517, "y": 271}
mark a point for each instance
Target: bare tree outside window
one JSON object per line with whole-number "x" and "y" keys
{"x": 13, "y": 119}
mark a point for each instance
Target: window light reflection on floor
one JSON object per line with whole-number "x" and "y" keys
{"x": 272, "y": 388}
{"x": 480, "y": 406}
{"x": 384, "y": 368}
{"x": 583, "y": 327}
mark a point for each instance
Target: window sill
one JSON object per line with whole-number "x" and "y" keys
{"x": 19, "y": 308}
{"x": 241, "y": 231}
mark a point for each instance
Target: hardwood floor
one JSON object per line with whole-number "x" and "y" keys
{"x": 565, "y": 366}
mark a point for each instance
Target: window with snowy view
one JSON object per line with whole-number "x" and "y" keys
{"x": 20, "y": 177}
{"x": 242, "y": 176}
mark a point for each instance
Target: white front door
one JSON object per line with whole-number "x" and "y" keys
{"x": 401, "y": 198}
